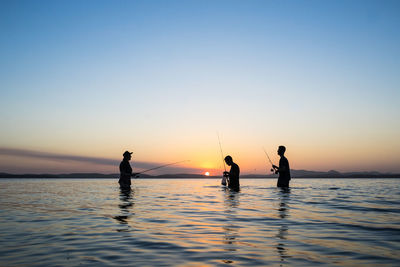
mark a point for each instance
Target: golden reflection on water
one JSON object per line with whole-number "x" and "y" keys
{"x": 231, "y": 231}
{"x": 198, "y": 223}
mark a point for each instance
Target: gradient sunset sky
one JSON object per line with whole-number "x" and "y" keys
{"x": 83, "y": 81}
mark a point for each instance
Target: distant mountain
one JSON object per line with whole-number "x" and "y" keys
{"x": 315, "y": 174}
{"x": 66, "y": 175}
{"x": 294, "y": 173}
{"x": 336, "y": 174}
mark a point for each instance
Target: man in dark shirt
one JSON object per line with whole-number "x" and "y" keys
{"x": 233, "y": 174}
{"x": 283, "y": 169}
{"x": 125, "y": 170}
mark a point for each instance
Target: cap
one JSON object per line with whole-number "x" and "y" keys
{"x": 126, "y": 153}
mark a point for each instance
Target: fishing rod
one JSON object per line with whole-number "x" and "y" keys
{"x": 162, "y": 166}
{"x": 225, "y": 177}
{"x": 270, "y": 161}
{"x": 222, "y": 154}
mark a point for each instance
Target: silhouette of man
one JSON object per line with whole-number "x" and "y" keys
{"x": 283, "y": 169}
{"x": 233, "y": 174}
{"x": 125, "y": 170}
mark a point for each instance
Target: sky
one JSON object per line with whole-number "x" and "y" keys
{"x": 83, "y": 81}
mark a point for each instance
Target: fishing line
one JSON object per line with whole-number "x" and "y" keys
{"x": 162, "y": 166}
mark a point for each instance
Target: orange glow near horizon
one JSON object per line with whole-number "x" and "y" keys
{"x": 207, "y": 174}
{"x": 203, "y": 156}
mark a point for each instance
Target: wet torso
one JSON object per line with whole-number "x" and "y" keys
{"x": 284, "y": 170}
{"x": 234, "y": 176}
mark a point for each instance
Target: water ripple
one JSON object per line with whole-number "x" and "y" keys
{"x": 196, "y": 222}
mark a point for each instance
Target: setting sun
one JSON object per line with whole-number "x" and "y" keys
{"x": 207, "y": 174}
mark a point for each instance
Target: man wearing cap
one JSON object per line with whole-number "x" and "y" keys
{"x": 125, "y": 170}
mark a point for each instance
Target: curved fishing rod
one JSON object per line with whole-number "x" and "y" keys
{"x": 225, "y": 177}
{"x": 270, "y": 161}
{"x": 222, "y": 154}
{"x": 162, "y": 166}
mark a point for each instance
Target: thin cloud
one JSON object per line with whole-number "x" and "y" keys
{"x": 141, "y": 165}
{"x": 55, "y": 156}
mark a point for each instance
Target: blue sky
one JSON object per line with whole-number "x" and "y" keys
{"x": 93, "y": 78}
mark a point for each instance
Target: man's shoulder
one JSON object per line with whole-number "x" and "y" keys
{"x": 235, "y": 166}
{"x": 284, "y": 161}
{"x": 124, "y": 162}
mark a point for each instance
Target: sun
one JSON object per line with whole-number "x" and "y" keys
{"x": 207, "y": 174}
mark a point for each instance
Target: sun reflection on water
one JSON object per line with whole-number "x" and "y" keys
{"x": 196, "y": 222}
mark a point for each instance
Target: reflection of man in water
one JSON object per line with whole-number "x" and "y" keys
{"x": 125, "y": 205}
{"x": 283, "y": 230}
{"x": 233, "y": 174}
{"x": 283, "y": 169}
{"x": 231, "y": 230}
{"x": 125, "y": 170}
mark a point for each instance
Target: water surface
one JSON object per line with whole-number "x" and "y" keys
{"x": 192, "y": 222}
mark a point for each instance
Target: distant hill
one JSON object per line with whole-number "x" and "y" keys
{"x": 66, "y": 175}
{"x": 294, "y": 173}
{"x": 336, "y": 174}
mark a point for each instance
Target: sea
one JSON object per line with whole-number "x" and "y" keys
{"x": 197, "y": 222}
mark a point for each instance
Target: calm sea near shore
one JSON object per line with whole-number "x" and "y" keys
{"x": 195, "y": 222}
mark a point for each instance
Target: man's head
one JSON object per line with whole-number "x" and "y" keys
{"x": 281, "y": 150}
{"x": 228, "y": 160}
{"x": 127, "y": 155}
